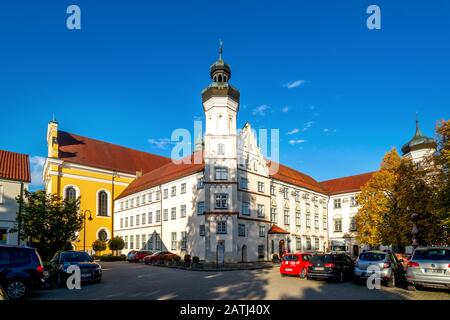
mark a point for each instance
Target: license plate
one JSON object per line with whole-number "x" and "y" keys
{"x": 86, "y": 275}
{"x": 440, "y": 271}
{"x": 288, "y": 269}
{"x": 319, "y": 268}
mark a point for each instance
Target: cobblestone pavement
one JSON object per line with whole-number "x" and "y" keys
{"x": 122, "y": 280}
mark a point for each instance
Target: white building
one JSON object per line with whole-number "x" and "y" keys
{"x": 14, "y": 179}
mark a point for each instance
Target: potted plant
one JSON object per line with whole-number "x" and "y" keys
{"x": 187, "y": 260}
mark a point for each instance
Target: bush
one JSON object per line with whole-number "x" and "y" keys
{"x": 187, "y": 258}
{"x": 275, "y": 257}
{"x": 116, "y": 244}
{"x": 176, "y": 258}
{"x": 99, "y": 245}
{"x": 195, "y": 259}
{"x": 109, "y": 258}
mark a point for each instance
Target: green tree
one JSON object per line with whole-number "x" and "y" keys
{"x": 99, "y": 246}
{"x": 49, "y": 220}
{"x": 116, "y": 244}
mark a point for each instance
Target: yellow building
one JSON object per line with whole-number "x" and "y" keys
{"x": 95, "y": 171}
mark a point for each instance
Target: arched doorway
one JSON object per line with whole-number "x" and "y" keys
{"x": 244, "y": 253}
{"x": 281, "y": 247}
{"x": 355, "y": 250}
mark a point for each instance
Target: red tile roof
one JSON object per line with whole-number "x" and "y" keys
{"x": 294, "y": 177}
{"x": 104, "y": 155}
{"x": 166, "y": 173}
{"x": 277, "y": 230}
{"x": 14, "y": 166}
{"x": 346, "y": 184}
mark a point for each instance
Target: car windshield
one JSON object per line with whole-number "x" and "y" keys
{"x": 372, "y": 256}
{"x": 75, "y": 257}
{"x": 432, "y": 254}
{"x": 290, "y": 257}
{"x": 321, "y": 258}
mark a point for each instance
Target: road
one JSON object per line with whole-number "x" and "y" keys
{"x": 122, "y": 280}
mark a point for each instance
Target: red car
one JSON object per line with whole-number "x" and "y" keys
{"x": 140, "y": 255}
{"x": 295, "y": 264}
{"x": 159, "y": 256}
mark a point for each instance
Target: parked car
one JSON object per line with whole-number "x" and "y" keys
{"x": 295, "y": 264}
{"x": 337, "y": 266}
{"x": 21, "y": 270}
{"x": 429, "y": 267}
{"x": 90, "y": 271}
{"x": 139, "y": 256}
{"x": 391, "y": 269}
{"x": 130, "y": 255}
{"x": 159, "y": 256}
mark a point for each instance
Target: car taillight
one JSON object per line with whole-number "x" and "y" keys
{"x": 329, "y": 265}
{"x": 40, "y": 269}
{"x": 413, "y": 264}
{"x": 386, "y": 265}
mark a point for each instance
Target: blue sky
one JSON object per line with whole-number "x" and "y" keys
{"x": 135, "y": 70}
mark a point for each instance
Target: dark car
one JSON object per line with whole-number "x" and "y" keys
{"x": 90, "y": 270}
{"x": 333, "y": 266}
{"x": 140, "y": 255}
{"x": 159, "y": 256}
{"x": 21, "y": 270}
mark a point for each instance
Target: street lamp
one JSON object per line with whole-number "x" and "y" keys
{"x": 84, "y": 226}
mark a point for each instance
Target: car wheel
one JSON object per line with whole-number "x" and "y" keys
{"x": 281, "y": 274}
{"x": 411, "y": 287}
{"x": 16, "y": 289}
{"x": 341, "y": 277}
{"x": 391, "y": 282}
{"x": 145, "y": 261}
{"x": 303, "y": 274}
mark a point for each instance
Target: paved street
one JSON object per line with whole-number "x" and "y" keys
{"x": 122, "y": 280}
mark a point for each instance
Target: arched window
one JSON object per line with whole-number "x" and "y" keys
{"x": 220, "y": 78}
{"x": 71, "y": 194}
{"x": 102, "y": 203}
{"x": 102, "y": 235}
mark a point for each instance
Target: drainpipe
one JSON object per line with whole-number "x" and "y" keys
{"x": 20, "y": 212}
{"x": 161, "y": 216}
{"x": 112, "y": 203}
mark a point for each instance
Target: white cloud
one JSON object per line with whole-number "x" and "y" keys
{"x": 326, "y": 130}
{"x": 160, "y": 143}
{"x": 294, "y": 84}
{"x": 294, "y": 142}
{"x": 293, "y": 131}
{"x": 329, "y": 131}
{"x": 285, "y": 109}
{"x": 261, "y": 110}
{"x": 37, "y": 166}
{"x": 307, "y": 125}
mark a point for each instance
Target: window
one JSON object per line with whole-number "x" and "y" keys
{"x": 158, "y": 242}
{"x": 200, "y": 183}
{"x": 173, "y": 213}
{"x": 308, "y": 243}
{"x": 262, "y": 231}
{"x": 71, "y": 194}
{"x": 127, "y": 204}
{"x": 150, "y": 217}
{"x": 144, "y": 241}
{"x": 298, "y": 218}
{"x": 243, "y": 183}
{"x": 166, "y": 193}
{"x": 200, "y": 208}
{"x": 273, "y": 215}
{"x": 132, "y": 203}
{"x": 316, "y": 221}
{"x": 241, "y": 230}
{"x": 272, "y": 190}
{"x": 308, "y": 220}
{"x": 261, "y": 211}
{"x": 221, "y": 201}
{"x": 183, "y": 211}
{"x": 260, "y": 186}
{"x": 316, "y": 244}
{"x": 325, "y": 222}
{"x": 174, "y": 240}
{"x": 352, "y": 224}
{"x": 166, "y": 214}
{"x": 183, "y": 240}
{"x": 245, "y": 208}
{"x": 121, "y": 205}
{"x": 138, "y": 240}
{"x": 143, "y": 198}
{"x": 173, "y": 191}
{"x": 158, "y": 216}
{"x": 298, "y": 243}
{"x": 337, "y": 225}
{"x": 102, "y": 203}
{"x": 126, "y": 242}
{"x": 3, "y": 235}
{"x": 183, "y": 188}
{"x": 220, "y": 149}
{"x": 150, "y": 242}
{"x": 150, "y": 197}
{"x": 132, "y": 221}
{"x": 137, "y": 201}
{"x": 137, "y": 219}
{"x": 202, "y": 230}
{"x": 255, "y": 166}
{"x": 286, "y": 217}
{"x": 260, "y": 252}
{"x": 144, "y": 218}
{"x": 221, "y": 173}
{"x": 286, "y": 193}
{"x": 121, "y": 222}
{"x": 126, "y": 222}
{"x": 158, "y": 195}
{"x": 337, "y": 203}
{"x": 131, "y": 242}
{"x": 221, "y": 227}
{"x": 353, "y": 201}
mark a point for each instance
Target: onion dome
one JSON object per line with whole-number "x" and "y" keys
{"x": 418, "y": 142}
{"x": 220, "y": 71}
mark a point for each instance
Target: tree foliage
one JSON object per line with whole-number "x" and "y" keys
{"x": 116, "y": 244}
{"x": 49, "y": 220}
{"x": 99, "y": 245}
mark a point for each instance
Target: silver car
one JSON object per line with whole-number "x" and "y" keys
{"x": 429, "y": 267}
{"x": 388, "y": 267}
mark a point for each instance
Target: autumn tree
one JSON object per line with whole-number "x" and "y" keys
{"x": 377, "y": 200}
{"x": 442, "y": 160}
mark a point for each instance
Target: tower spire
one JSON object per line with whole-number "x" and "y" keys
{"x": 220, "y": 49}
{"x": 418, "y": 132}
